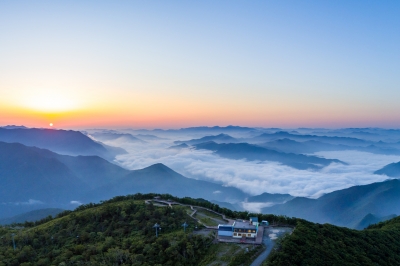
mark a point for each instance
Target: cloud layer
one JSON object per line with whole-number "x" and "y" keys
{"x": 258, "y": 177}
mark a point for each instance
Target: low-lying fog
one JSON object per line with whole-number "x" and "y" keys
{"x": 258, "y": 177}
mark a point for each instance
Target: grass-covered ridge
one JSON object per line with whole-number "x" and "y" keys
{"x": 118, "y": 231}
{"x": 111, "y": 233}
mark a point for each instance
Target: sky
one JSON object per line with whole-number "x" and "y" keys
{"x": 171, "y": 64}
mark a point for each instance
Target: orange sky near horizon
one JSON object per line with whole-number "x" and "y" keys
{"x": 140, "y": 64}
{"x": 188, "y": 114}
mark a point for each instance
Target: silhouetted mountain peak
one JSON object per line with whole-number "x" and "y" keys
{"x": 392, "y": 170}
{"x": 179, "y": 146}
{"x": 67, "y": 142}
{"x": 159, "y": 167}
{"x": 253, "y": 152}
{"x": 14, "y": 127}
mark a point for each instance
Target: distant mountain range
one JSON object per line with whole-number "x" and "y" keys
{"x": 148, "y": 137}
{"x": 116, "y": 137}
{"x": 60, "y": 168}
{"x": 201, "y": 131}
{"x": 31, "y": 216}
{"x": 312, "y": 146}
{"x": 372, "y": 219}
{"x": 272, "y": 198}
{"x": 267, "y": 137}
{"x": 294, "y": 142}
{"x": 256, "y": 153}
{"x": 34, "y": 178}
{"x": 179, "y": 146}
{"x": 345, "y": 207}
{"x": 14, "y": 127}
{"x": 221, "y": 138}
{"x": 66, "y": 142}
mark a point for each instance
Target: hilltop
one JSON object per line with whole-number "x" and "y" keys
{"x": 116, "y": 232}
{"x": 120, "y": 231}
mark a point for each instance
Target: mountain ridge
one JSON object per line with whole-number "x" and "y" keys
{"x": 345, "y": 207}
{"x": 66, "y": 142}
{"x": 257, "y": 153}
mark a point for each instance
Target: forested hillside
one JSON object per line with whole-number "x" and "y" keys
{"x": 325, "y": 244}
{"x": 119, "y": 232}
{"x": 113, "y": 233}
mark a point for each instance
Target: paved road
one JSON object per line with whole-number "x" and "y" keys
{"x": 269, "y": 232}
{"x": 269, "y": 246}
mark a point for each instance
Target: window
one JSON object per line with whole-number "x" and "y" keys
{"x": 235, "y": 234}
{"x": 249, "y": 235}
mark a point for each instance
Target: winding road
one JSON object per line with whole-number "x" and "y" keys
{"x": 269, "y": 246}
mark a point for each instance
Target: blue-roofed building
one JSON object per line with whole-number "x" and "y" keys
{"x": 254, "y": 221}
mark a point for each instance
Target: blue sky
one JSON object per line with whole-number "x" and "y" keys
{"x": 181, "y": 63}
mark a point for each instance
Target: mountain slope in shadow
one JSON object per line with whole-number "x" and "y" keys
{"x": 158, "y": 178}
{"x": 392, "y": 170}
{"x": 256, "y": 153}
{"x": 311, "y": 146}
{"x": 67, "y": 142}
{"x": 34, "y": 178}
{"x": 345, "y": 207}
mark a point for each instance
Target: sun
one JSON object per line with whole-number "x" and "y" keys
{"x": 51, "y": 124}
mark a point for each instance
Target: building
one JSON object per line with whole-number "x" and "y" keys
{"x": 244, "y": 229}
{"x": 254, "y": 221}
{"x": 239, "y": 229}
{"x": 225, "y": 230}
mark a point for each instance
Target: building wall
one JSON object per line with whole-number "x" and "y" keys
{"x": 225, "y": 233}
{"x": 239, "y": 233}
{"x": 225, "y": 230}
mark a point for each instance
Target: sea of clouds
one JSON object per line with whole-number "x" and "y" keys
{"x": 257, "y": 177}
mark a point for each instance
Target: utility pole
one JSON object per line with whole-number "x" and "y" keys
{"x": 13, "y": 240}
{"x": 157, "y": 226}
{"x": 184, "y": 226}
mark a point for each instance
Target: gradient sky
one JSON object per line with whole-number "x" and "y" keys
{"x": 169, "y": 64}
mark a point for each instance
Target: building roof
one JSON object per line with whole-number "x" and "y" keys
{"x": 225, "y": 225}
{"x": 245, "y": 225}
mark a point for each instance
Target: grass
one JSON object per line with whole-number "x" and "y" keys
{"x": 210, "y": 214}
{"x": 209, "y": 218}
{"x": 223, "y": 254}
{"x": 207, "y": 221}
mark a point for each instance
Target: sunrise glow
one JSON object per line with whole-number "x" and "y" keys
{"x": 189, "y": 66}
{"x": 49, "y": 101}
